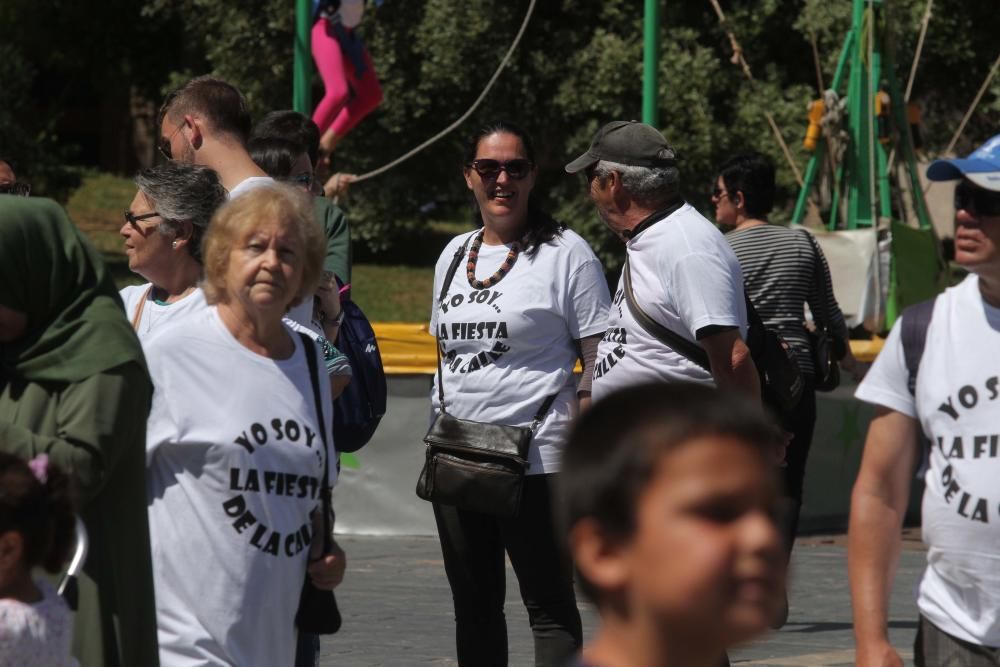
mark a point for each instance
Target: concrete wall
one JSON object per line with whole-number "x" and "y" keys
{"x": 379, "y": 498}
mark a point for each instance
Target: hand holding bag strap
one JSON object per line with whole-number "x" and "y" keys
{"x": 309, "y": 348}
{"x": 682, "y": 346}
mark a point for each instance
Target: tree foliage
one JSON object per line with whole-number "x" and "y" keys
{"x": 579, "y": 65}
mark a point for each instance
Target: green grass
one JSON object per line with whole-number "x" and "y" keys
{"x": 97, "y": 205}
{"x": 393, "y": 293}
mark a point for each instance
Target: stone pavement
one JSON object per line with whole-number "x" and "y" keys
{"x": 397, "y": 608}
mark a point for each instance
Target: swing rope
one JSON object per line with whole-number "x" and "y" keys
{"x": 968, "y": 114}
{"x": 465, "y": 116}
{"x": 738, "y": 59}
{"x": 972, "y": 107}
{"x": 924, "y": 22}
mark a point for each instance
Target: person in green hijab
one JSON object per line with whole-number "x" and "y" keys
{"x": 74, "y": 385}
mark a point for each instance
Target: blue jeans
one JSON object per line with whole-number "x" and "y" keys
{"x": 473, "y": 546}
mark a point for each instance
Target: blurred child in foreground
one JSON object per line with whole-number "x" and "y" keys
{"x": 668, "y": 501}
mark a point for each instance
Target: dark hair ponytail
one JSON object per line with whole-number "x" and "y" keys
{"x": 42, "y": 511}
{"x": 542, "y": 227}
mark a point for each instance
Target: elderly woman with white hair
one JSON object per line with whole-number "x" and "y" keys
{"x": 238, "y": 444}
{"x": 163, "y": 229}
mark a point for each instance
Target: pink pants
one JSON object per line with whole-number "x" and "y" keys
{"x": 348, "y": 97}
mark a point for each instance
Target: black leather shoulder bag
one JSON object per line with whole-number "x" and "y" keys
{"x": 475, "y": 466}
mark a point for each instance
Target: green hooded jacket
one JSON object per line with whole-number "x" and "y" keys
{"x": 74, "y": 385}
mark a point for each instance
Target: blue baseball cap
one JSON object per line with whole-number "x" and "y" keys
{"x": 982, "y": 167}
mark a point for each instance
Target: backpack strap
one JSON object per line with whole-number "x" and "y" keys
{"x": 913, "y": 334}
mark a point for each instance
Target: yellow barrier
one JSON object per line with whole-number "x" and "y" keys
{"x": 867, "y": 350}
{"x": 408, "y": 348}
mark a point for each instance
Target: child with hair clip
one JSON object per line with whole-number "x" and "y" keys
{"x": 36, "y": 530}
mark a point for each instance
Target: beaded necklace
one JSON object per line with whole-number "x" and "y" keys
{"x": 470, "y": 268}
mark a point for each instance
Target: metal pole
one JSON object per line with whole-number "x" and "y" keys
{"x": 302, "y": 72}
{"x": 650, "y": 63}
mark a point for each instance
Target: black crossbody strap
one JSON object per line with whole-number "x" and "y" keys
{"x": 452, "y": 268}
{"x": 309, "y": 347}
{"x": 448, "y": 277}
{"x": 682, "y": 346}
{"x": 817, "y": 273}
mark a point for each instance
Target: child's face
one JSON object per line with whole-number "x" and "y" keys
{"x": 706, "y": 556}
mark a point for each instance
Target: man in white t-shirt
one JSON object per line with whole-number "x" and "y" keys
{"x": 684, "y": 276}
{"x": 952, "y": 399}
{"x": 207, "y": 121}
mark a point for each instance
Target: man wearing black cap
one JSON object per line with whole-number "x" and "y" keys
{"x": 938, "y": 373}
{"x": 681, "y": 272}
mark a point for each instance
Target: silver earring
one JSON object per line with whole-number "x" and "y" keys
{"x": 174, "y": 244}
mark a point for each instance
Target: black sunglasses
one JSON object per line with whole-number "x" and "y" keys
{"x": 134, "y": 219}
{"x": 516, "y": 169}
{"x": 164, "y": 145}
{"x": 15, "y": 188}
{"x": 976, "y": 200}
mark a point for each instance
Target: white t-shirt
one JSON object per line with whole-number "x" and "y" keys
{"x": 956, "y": 403}
{"x": 686, "y": 277}
{"x": 155, "y": 314}
{"x": 36, "y": 634}
{"x": 508, "y": 348}
{"x": 235, "y": 462}
{"x": 248, "y": 184}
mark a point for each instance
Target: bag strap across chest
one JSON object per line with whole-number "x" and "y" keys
{"x": 309, "y": 348}
{"x": 448, "y": 278}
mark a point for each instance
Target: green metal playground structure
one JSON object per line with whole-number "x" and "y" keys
{"x": 862, "y": 176}
{"x": 857, "y": 163}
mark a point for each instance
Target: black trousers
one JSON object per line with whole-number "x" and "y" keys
{"x": 803, "y": 421}
{"x": 473, "y": 546}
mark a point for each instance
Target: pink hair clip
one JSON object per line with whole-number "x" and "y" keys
{"x": 40, "y": 467}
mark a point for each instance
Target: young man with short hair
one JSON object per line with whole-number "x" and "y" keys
{"x": 207, "y": 121}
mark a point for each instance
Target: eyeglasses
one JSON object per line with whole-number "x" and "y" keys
{"x": 133, "y": 219}
{"x": 15, "y": 188}
{"x": 979, "y": 201}
{"x": 165, "y": 142}
{"x": 516, "y": 169}
{"x": 717, "y": 193}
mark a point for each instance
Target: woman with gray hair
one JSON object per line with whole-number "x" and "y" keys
{"x": 163, "y": 228}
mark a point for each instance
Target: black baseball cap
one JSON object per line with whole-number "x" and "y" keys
{"x": 626, "y": 142}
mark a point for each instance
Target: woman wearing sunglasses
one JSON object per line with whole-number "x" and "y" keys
{"x": 783, "y": 269}
{"x": 162, "y": 232}
{"x": 528, "y": 299}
